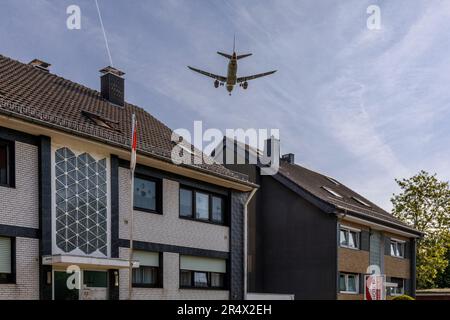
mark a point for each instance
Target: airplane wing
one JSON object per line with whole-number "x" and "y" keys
{"x": 243, "y": 79}
{"x": 211, "y": 75}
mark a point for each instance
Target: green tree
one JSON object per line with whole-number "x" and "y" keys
{"x": 424, "y": 203}
{"x": 443, "y": 280}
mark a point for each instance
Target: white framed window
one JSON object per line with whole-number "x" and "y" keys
{"x": 398, "y": 288}
{"x": 149, "y": 273}
{"x": 202, "y": 272}
{"x": 349, "y": 283}
{"x": 397, "y": 248}
{"x": 349, "y": 238}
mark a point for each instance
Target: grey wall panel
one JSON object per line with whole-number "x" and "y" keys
{"x": 300, "y": 249}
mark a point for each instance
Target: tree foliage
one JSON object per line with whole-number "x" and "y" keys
{"x": 424, "y": 203}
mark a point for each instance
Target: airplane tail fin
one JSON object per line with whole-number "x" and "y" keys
{"x": 243, "y": 56}
{"x": 224, "y": 54}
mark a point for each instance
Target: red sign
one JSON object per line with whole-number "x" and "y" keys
{"x": 374, "y": 287}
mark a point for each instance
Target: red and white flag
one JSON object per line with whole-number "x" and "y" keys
{"x": 133, "y": 142}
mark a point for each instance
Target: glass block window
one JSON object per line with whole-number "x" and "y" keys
{"x": 81, "y": 203}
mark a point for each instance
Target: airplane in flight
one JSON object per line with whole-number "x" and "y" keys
{"x": 231, "y": 79}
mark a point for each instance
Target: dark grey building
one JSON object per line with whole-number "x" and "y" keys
{"x": 311, "y": 236}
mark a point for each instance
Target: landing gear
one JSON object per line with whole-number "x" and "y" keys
{"x": 244, "y": 85}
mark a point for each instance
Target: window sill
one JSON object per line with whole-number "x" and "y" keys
{"x": 147, "y": 210}
{"x": 348, "y": 292}
{"x": 204, "y": 221}
{"x": 395, "y": 295}
{"x": 7, "y": 186}
{"x": 351, "y": 248}
{"x": 397, "y": 257}
{"x": 203, "y": 288}
{"x": 147, "y": 286}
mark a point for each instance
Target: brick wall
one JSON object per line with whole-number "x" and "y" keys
{"x": 170, "y": 290}
{"x": 351, "y": 260}
{"x": 344, "y": 296}
{"x": 397, "y": 267}
{"x": 168, "y": 228}
{"x": 27, "y": 272}
{"x": 20, "y": 205}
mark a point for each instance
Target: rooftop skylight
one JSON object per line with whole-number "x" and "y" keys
{"x": 334, "y": 181}
{"x": 331, "y": 191}
{"x": 98, "y": 119}
{"x": 362, "y": 202}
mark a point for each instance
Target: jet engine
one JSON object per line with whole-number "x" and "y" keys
{"x": 216, "y": 83}
{"x": 245, "y": 85}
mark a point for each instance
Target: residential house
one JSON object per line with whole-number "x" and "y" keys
{"x": 65, "y": 198}
{"x": 311, "y": 236}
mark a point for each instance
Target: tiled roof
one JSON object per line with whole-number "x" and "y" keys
{"x": 314, "y": 183}
{"x": 35, "y": 95}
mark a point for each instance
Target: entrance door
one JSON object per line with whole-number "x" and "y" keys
{"x": 62, "y": 292}
{"x": 95, "y": 285}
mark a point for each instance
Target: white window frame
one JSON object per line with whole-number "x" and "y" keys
{"x": 395, "y": 288}
{"x": 397, "y": 243}
{"x": 348, "y": 230}
{"x": 346, "y": 275}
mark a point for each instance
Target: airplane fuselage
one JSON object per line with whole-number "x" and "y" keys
{"x": 232, "y": 73}
{"x": 231, "y": 79}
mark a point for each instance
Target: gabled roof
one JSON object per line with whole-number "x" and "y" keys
{"x": 323, "y": 191}
{"x": 30, "y": 94}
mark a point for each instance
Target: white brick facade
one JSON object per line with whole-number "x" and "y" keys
{"x": 20, "y": 208}
{"x": 27, "y": 272}
{"x": 168, "y": 228}
{"x": 20, "y": 205}
{"x": 171, "y": 289}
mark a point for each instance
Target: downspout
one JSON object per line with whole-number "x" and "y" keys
{"x": 250, "y": 197}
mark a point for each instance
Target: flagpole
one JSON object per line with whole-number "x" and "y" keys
{"x": 130, "y": 285}
{"x": 132, "y": 167}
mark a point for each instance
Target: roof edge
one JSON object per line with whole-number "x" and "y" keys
{"x": 376, "y": 220}
{"x": 93, "y": 137}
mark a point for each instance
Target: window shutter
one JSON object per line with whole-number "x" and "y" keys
{"x": 407, "y": 249}
{"x": 148, "y": 259}
{"x": 387, "y": 246}
{"x": 202, "y": 264}
{"x": 365, "y": 240}
{"x": 5, "y": 255}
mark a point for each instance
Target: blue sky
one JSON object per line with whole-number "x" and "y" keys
{"x": 362, "y": 106}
